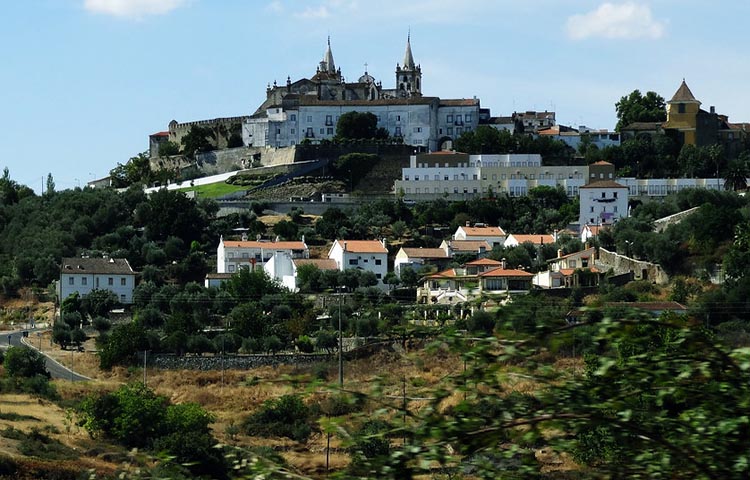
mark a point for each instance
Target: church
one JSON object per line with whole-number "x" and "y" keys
{"x": 308, "y": 109}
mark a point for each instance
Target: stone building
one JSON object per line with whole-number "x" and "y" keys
{"x": 308, "y": 109}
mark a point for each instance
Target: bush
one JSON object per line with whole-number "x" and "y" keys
{"x": 326, "y": 340}
{"x": 24, "y": 362}
{"x": 286, "y": 416}
{"x": 101, "y": 324}
{"x": 305, "y": 344}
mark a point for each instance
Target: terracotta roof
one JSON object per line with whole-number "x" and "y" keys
{"x": 484, "y": 261}
{"x": 683, "y": 95}
{"x": 505, "y": 272}
{"x": 450, "y": 273}
{"x": 535, "y": 238}
{"x": 321, "y": 263}
{"x": 425, "y": 252}
{"x": 469, "y": 245}
{"x": 595, "y": 229}
{"x": 294, "y": 245}
{"x": 603, "y": 184}
{"x": 483, "y": 231}
{"x": 159, "y": 134}
{"x": 602, "y": 162}
{"x": 87, "y": 266}
{"x": 363, "y": 246}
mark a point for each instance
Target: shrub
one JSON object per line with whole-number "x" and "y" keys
{"x": 286, "y": 416}
{"x": 326, "y": 340}
{"x": 24, "y": 362}
{"x": 101, "y": 324}
{"x": 305, "y": 344}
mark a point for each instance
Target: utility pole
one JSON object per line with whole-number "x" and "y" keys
{"x": 341, "y": 347}
{"x": 144, "y": 367}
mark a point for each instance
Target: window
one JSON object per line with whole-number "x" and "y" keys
{"x": 110, "y": 281}
{"x": 322, "y": 131}
{"x": 475, "y": 177}
{"x": 416, "y": 178}
{"x": 446, "y": 177}
{"x": 681, "y": 108}
{"x": 398, "y": 118}
{"x": 123, "y": 298}
{"x": 293, "y": 117}
{"x": 245, "y": 254}
{"x": 467, "y": 117}
{"x": 378, "y": 261}
{"x": 397, "y": 132}
{"x": 592, "y": 210}
{"x": 417, "y": 129}
{"x": 458, "y": 119}
{"x": 329, "y": 120}
{"x": 309, "y": 119}
{"x": 437, "y": 177}
{"x": 449, "y": 130}
{"x": 278, "y": 131}
{"x": 352, "y": 261}
{"x": 231, "y": 268}
{"x": 292, "y": 131}
{"x": 459, "y": 130}
{"x": 449, "y": 119}
{"x": 84, "y": 281}
{"x": 604, "y": 194}
{"x": 615, "y": 207}
{"x": 123, "y": 281}
{"x": 615, "y": 194}
{"x": 406, "y": 178}
{"x": 329, "y": 131}
{"x": 455, "y": 189}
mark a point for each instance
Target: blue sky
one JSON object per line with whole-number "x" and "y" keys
{"x": 84, "y": 82}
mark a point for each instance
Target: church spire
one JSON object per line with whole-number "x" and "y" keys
{"x": 329, "y": 67}
{"x": 408, "y": 57}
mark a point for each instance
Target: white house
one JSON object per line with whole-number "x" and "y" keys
{"x": 232, "y": 255}
{"x": 480, "y": 248}
{"x": 83, "y": 275}
{"x": 415, "y": 258}
{"x": 603, "y": 203}
{"x": 589, "y": 231}
{"x": 368, "y": 255}
{"x": 494, "y": 236}
{"x": 565, "y": 270}
{"x": 281, "y": 268}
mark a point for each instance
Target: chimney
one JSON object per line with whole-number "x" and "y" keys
{"x": 586, "y": 245}
{"x": 303, "y": 239}
{"x": 503, "y": 263}
{"x": 468, "y": 223}
{"x": 345, "y": 246}
{"x": 559, "y": 253}
{"x": 244, "y": 237}
{"x": 383, "y": 242}
{"x": 713, "y": 110}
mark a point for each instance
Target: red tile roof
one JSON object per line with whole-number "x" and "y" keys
{"x": 535, "y": 238}
{"x": 484, "y": 261}
{"x": 425, "y": 252}
{"x": 159, "y": 134}
{"x": 483, "y": 231}
{"x": 363, "y": 246}
{"x": 469, "y": 245}
{"x": 506, "y": 272}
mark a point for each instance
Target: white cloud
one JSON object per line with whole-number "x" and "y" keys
{"x": 132, "y": 8}
{"x": 626, "y": 20}
{"x": 275, "y": 7}
{"x": 321, "y": 11}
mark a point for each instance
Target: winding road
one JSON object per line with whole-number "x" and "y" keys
{"x": 55, "y": 369}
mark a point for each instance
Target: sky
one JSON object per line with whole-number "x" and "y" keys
{"x": 84, "y": 82}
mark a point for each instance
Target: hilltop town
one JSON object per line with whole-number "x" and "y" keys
{"x": 364, "y": 281}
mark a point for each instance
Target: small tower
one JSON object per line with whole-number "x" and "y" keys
{"x": 682, "y": 114}
{"x": 408, "y": 76}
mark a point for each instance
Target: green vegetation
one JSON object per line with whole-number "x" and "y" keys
{"x": 214, "y": 190}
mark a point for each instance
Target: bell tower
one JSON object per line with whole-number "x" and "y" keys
{"x": 408, "y": 76}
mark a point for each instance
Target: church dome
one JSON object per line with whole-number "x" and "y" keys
{"x": 366, "y": 78}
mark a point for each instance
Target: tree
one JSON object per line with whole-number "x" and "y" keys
{"x": 357, "y": 125}
{"x": 168, "y": 148}
{"x": 735, "y": 176}
{"x": 99, "y": 302}
{"x": 50, "y": 185}
{"x": 197, "y": 141}
{"x": 137, "y": 170}
{"x": 485, "y": 139}
{"x": 24, "y": 362}
{"x": 636, "y": 107}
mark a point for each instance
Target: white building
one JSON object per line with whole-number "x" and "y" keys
{"x": 416, "y": 258}
{"x": 368, "y": 255}
{"x": 537, "y": 239}
{"x": 603, "y": 203}
{"x": 494, "y": 236}
{"x": 83, "y": 275}
{"x": 232, "y": 255}
{"x": 309, "y": 109}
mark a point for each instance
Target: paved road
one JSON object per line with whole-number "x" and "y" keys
{"x": 55, "y": 369}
